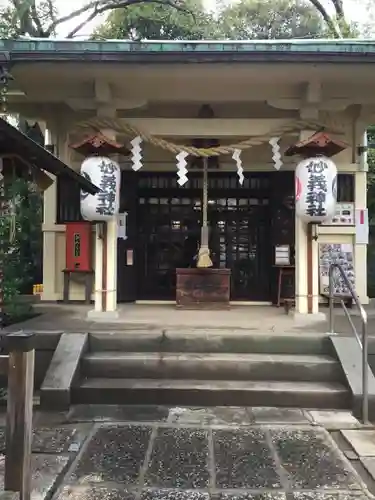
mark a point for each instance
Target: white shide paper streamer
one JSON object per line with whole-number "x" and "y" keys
{"x": 277, "y": 162}
{"x": 136, "y": 153}
{"x": 181, "y": 168}
{"x": 237, "y": 158}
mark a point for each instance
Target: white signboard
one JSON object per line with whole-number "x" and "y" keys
{"x": 361, "y": 226}
{"x": 121, "y": 226}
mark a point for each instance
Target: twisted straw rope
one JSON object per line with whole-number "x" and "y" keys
{"x": 97, "y": 124}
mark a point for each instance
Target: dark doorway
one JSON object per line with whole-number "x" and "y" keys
{"x": 168, "y": 217}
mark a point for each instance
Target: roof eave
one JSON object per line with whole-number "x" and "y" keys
{"x": 38, "y": 155}
{"x": 191, "y": 57}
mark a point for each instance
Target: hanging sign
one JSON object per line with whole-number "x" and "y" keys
{"x": 316, "y": 189}
{"x": 361, "y": 226}
{"x": 104, "y": 173}
{"x": 121, "y": 226}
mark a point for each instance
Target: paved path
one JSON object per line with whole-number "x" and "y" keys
{"x": 158, "y": 453}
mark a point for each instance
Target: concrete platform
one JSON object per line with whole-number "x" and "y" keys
{"x": 73, "y": 318}
{"x": 252, "y": 319}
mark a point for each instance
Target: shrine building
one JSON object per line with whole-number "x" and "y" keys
{"x": 200, "y": 134}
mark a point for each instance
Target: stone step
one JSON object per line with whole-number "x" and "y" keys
{"x": 210, "y": 341}
{"x": 328, "y": 395}
{"x": 211, "y": 366}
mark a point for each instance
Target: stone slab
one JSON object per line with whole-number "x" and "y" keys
{"x": 221, "y": 415}
{"x": 51, "y": 440}
{"x": 250, "y": 496}
{"x": 9, "y": 495}
{"x": 302, "y": 319}
{"x": 269, "y": 415}
{"x": 118, "y": 413}
{"x": 103, "y": 316}
{"x": 320, "y": 495}
{"x": 243, "y": 460}
{"x": 55, "y": 390}
{"x": 169, "y": 494}
{"x": 349, "y": 354}
{"x": 113, "y": 454}
{"x": 312, "y": 461}
{"x": 350, "y": 454}
{"x": 46, "y": 472}
{"x": 333, "y": 419}
{"x": 363, "y": 441}
{"x": 369, "y": 465}
{"x": 95, "y": 492}
{"x": 179, "y": 459}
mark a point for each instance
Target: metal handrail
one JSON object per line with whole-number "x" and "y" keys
{"x": 362, "y": 340}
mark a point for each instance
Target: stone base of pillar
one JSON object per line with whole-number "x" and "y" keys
{"x": 305, "y": 319}
{"x": 103, "y": 316}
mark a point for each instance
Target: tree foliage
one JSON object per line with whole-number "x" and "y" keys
{"x": 245, "y": 20}
{"x": 172, "y": 18}
{"x": 148, "y": 21}
{"x": 270, "y": 19}
{"x": 21, "y": 240}
{"x": 39, "y": 18}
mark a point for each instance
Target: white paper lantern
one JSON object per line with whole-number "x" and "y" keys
{"x": 105, "y": 174}
{"x": 316, "y": 189}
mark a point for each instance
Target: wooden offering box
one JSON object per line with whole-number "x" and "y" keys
{"x": 203, "y": 288}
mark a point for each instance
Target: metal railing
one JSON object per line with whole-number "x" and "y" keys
{"x": 362, "y": 339}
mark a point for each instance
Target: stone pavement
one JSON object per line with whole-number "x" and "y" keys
{"x": 159, "y": 453}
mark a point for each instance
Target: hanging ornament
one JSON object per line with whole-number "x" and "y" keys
{"x": 277, "y": 162}
{"x": 237, "y": 158}
{"x": 104, "y": 173}
{"x": 181, "y": 167}
{"x": 136, "y": 153}
{"x": 316, "y": 189}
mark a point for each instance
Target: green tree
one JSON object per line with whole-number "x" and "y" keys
{"x": 40, "y": 18}
{"x": 21, "y": 243}
{"x": 246, "y": 20}
{"x": 271, "y": 19}
{"x": 151, "y": 21}
{"x": 333, "y": 14}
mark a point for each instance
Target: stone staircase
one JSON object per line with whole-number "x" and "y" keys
{"x": 208, "y": 368}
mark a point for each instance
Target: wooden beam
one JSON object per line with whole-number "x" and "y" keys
{"x": 288, "y": 103}
{"x": 311, "y": 100}
{"x": 87, "y": 103}
{"x": 4, "y": 362}
{"x": 102, "y": 91}
{"x": 312, "y": 93}
{"x": 214, "y": 127}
